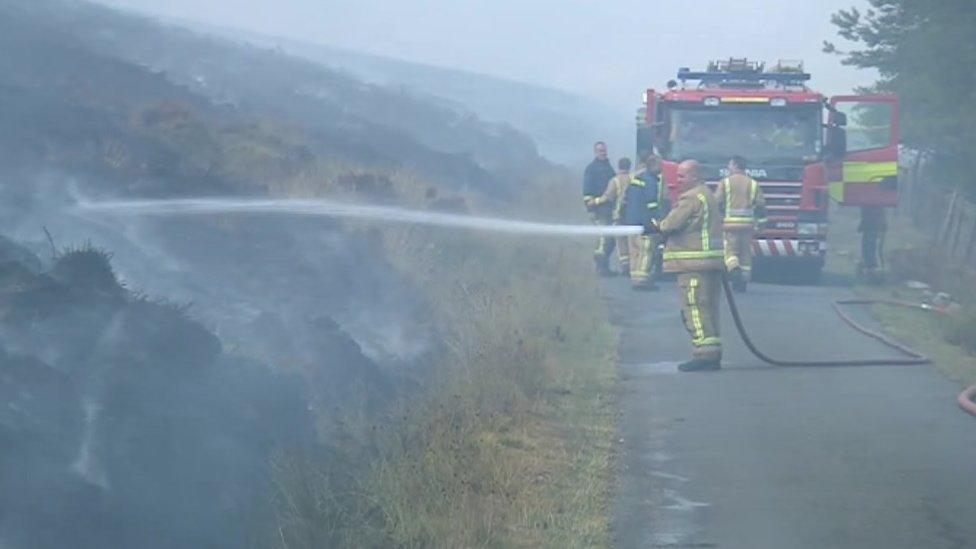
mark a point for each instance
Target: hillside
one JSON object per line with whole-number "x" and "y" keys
{"x": 563, "y": 124}
{"x": 342, "y": 118}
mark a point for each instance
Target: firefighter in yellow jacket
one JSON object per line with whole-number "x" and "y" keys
{"x": 740, "y": 199}
{"x": 693, "y": 230}
{"x": 614, "y": 195}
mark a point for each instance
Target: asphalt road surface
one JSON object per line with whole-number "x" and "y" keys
{"x": 761, "y": 457}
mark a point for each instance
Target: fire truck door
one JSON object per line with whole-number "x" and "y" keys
{"x": 867, "y": 171}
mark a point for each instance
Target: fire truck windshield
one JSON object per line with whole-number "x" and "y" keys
{"x": 761, "y": 134}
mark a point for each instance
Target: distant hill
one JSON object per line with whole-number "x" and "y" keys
{"x": 563, "y": 124}
{"x": 340, "y": 118}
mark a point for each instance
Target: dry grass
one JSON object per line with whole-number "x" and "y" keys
{"x": 510, "y": 442}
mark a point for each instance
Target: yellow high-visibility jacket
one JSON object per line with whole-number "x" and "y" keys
{"x": 741, "y": 201}
{"x": 693, "y": 229}
{"x": 614, "y": 193}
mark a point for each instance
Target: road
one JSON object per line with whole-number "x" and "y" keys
{"x": 762, "y": 457}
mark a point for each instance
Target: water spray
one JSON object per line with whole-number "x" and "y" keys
{"x": 328, "y": 208}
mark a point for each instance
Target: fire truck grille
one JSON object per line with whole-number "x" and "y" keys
{"x": 782, "y": 197}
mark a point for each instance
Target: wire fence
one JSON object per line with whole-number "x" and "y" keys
{"x": 947, "y": 217}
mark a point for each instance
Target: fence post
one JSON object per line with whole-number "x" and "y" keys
{"x": 943, "y": 234}
{"x": 957, "y": 231}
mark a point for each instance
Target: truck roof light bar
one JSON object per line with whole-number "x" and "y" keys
{"x": 745, "y": 73}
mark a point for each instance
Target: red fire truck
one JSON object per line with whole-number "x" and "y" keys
{"x": 802, "y": 147}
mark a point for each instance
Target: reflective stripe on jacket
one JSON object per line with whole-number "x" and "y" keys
{"x": 741, "y": 200}
{"x": 642, "y": 202}
{"x": 693, "y": 230}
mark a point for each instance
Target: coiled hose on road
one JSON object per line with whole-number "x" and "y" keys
{"x": 965, "y": 399}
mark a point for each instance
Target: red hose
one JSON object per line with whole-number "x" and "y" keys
{"x": 966, "y": 400}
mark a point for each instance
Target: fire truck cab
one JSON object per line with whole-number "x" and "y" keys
{"x": 804, "y": 149}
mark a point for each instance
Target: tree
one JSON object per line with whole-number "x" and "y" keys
{"x": 924, "y": 51}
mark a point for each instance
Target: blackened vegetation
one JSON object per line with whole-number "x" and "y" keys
{"x": 370, "y": 186}
{"x": 123, "y": 422}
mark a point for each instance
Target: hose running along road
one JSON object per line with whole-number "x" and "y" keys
{"x": 966, "y": 399}
{"x": 914, "y": 358}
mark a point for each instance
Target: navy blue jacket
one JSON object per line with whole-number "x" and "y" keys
{"x": 643, "y": 201}
{"x": 596, "y": 176}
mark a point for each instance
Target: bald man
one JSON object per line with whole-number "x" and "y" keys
{"x": 694, "y": 250}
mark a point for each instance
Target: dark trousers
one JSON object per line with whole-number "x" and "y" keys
{"x": 869, "y": 248}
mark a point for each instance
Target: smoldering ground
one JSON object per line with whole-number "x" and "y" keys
{"x": 129, "y": 412}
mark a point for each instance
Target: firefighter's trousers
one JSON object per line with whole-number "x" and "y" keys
{"x": 604, "y": 244}
{"x": 869, "y": 248}
{"x": 700, "y": 294}
{"x": 623, "y": 252}
{"x": 641, "y": 258}
{"x": 738, "y": 250}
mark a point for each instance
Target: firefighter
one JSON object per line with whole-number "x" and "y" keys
{"x": 872, "y": 228}
{"x": 693, "y": 250}
{"x": 652, "y": 172}
{"x": 595, "y": 179}
{"x": 741, "y": 201}
{"x": 614, "y": 196}
{"x": 643, "y": 202}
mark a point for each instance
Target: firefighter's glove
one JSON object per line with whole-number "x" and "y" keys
{"x": 651, "y": 228}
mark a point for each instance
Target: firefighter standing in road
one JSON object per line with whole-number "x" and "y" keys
{"x": 614, "y": 195}
{"x": 643, "y": 202}
{"x": 872, "y": 228}
{"x": 693, "y": 230}
{"x": 741, "y": 200}
{"x": 595, "y": 179}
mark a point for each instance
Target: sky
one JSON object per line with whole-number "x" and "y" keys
{"x": 607, "y": 50}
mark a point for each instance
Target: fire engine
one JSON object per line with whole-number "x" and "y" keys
{"x": 803, "y": 148}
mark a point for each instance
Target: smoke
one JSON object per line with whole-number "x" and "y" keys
{"x": 125, "y": 407}
{"x": 234, "y": 272}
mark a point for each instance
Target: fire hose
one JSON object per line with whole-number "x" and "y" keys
{"x": 914, "y": 357}
{"x": 966, "y": 399}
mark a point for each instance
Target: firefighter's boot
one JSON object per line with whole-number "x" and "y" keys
{"x": 700, "y": 365}
{"x": 738, "y": 279}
